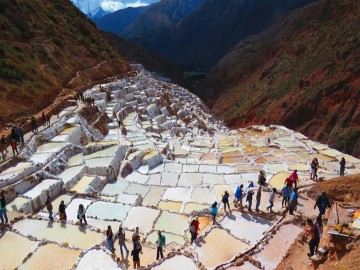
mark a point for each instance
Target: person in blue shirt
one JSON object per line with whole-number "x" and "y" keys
{"x": 293, "y": 201}
{"x": 286, "y": 191}
{"x": 214, "y": 211}
{"x": 238, "y": 196}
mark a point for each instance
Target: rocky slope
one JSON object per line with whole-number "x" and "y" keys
{"x": 302, "y": 73}
{"x": 200, "y": 39}
{"x": 46, "y": 46}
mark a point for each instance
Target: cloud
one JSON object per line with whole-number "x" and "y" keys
{"x": 109, "y": 5}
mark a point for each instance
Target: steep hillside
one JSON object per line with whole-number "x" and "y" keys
{"x": 44, "y": 45}
{"x": 302, "y": 73}
{"x": 148, "y": 58}
{"x": 117, "y": 21}
{"x": 162, "y": 14}
{"x": 200, "y": 39}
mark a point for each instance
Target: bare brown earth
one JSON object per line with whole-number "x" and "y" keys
{"x": 302, "y": 73}
{"x": 342, "y": 189}
{"x": 48, "y": 51}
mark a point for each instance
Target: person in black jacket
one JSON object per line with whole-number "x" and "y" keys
{"x": 3, "y": 214}
{"x": 322, "y": 203}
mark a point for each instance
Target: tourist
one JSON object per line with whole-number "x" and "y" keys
{"x": 21, "y": 133}
{"x": 3, "y": 145}
{"x": 271, "y": 199}
{"x": 342, "y": 166}
{"x": 314, "y": 167}
{"x": 43, "y": 118}
{"x": 286, "y": 191}
{"x": 14, "y": 147}
{"x": 136, "y": 237}
{"x": 135, "y": 253}
{"x": 34, "y": 127}
{"x": 197, "y": 226}
{"x": 258, "y": 199}
{"x": 262, "y": 178}
{"x": 289, "y": 182}
{"x": 49, "y": 207}
{"x": 192, "y": 230}
{"x": 293, "y": 201}
{"x": 62, "y": 212}
{"x": 249, "y": 199}
{"x": 81, "y": 214}
{"x": 214, "y": 211}
{"x": 48, "y": 120}
{"x": 121, "y": 236}
{"x": 18, "y": 134}
{"x": 322, "y": 203}
{"x": 110, "y": 239}
{"x": 225, "y": 201}
{"x": 13, "y": 134}
{"x": 239, "y": 196}
{"x": 313, "y": 233}
{"x": 160, "y": 245}
{"x": 294, "y": 178}
{"x": 3, "y": 214}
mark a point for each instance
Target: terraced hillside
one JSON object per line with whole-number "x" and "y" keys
{"x": 44, "y": 45}
{"x": 303, "y": 73}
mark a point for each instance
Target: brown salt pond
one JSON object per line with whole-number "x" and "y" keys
{"x": 51, "y": 255}
{"x": 14, "y": 248}
{"x": 226, "y": 245}
{"x": 77, "y": 236}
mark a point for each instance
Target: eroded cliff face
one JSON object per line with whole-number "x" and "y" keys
{"x": 302, "y": 73}
{"x": 46, "y": 48}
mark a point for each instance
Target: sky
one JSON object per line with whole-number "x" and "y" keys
{"x": 110, "y": 5}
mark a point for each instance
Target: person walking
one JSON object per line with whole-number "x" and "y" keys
{"x": 271, "y": 199}
{"x": 21, "y": 132}
{"x": 314, "y": 167}
{"x": 14, "y": 147}
{"x": 13, "y": 134}
{"x": 225, "y": 201}
{"x": 110, "y": 239}
{"x": 322, "y": 203}
{"x": 214, "y": 211}
{"x": 43, "y": 118}
{"x": 49, "y": 207}
{"x": 262, "y": 178}
{"x": 3, "y": 214}
{"x": 294, "y": 178}
{"x": 313, "y": 233}
{"x": 135, "y": 253}
{"x": 249, "y": 197}
{"x": 258, "y": 199}
{"x": 293, "y": 201}
{"x": 318, "y": 223}
{"x": 81, "y": 214}
{"x": 34, "y": 126}
{"x": 121, "y": 236}
{"x": 136, "y": 237}
{"x": 3, "y": 145}
{"x": 62, "y": 212}
{"x": 17, "y": 134}
{"x": 239, "y": 196}
{"x": 48, "y": 120}
{"x": 342, "y": 166}
{"x": 160, "y": 245}
{"x": 192, "y": 231}
{"x": 286, "y": 191}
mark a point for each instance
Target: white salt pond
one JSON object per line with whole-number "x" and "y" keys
{"x": 275, "y": 250}
{"x": 141, "y": 217}
{"x": 171, "y": 222}
{"x": 97, "y": 260}
{"x": 41, "y": 187}
{"x": 178, "y": 262}
{"x": 72, "y": 208}
{"x": 59, "y": 232}
{"x": 107, "y": 210}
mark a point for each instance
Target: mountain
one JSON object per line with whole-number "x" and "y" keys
{"x": 148, "y": 58}
{"x": 162, "y": 14}
{"x": 200, "y": 39}
{"x": 97, "y": 13}
{"x": 48, "y": 48}
{"x": 117, "y": 21}
{"x": 302, "y": 73}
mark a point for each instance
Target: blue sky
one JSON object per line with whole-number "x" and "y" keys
{"x": 110, "y": 5}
